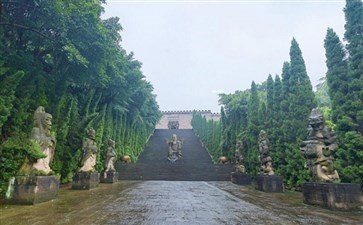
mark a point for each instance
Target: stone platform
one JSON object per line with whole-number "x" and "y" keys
{"x": 241, "y": 178}
{"x": 30, "y": 190}
{"x": 109, "y": 177}
{"x": 342, "y": 196}
{"x": 85, "y": 180}
{"x": 269, "y": 183}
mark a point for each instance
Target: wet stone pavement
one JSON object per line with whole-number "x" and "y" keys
{"x": 174, "y": 202}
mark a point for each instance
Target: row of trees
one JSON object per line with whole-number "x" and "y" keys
{"x": 63, "y": 56}
{"x": 345, "y": 81}
{"x": 281, "y": 106}
{"x": 209, "y": 133}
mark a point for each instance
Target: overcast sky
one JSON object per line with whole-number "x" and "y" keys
{"x": 193, "y": 50}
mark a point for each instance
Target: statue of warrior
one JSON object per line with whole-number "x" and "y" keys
{"x": 318, "y": 149}
{"x": 89, "y": 147}
{"x": 240, "y": 168}
{"x": 41, "y": 133}
{"x": 110, "y": 156}
{"x": 265, "y": 159}
{"x": 175, "y": 146}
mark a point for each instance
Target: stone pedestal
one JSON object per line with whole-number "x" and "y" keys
{"x": 30, "y": 190}
{"x": 333, "y": 196}
{"x": 269, "y": 183}
{"x": 109, "y": 177}
{"x": 85, "y": 180}
{"x": 240, "y": 178}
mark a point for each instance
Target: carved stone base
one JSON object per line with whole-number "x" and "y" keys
{"x": 30, "y": 190}
{"x": 269, "y": 183}
{"x": 240, "y": 178}
{"x": 109, "y": 177}
{"x": 85, "y": 180}
{"x": 332, "y": 196}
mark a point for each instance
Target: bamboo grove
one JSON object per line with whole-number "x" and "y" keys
{"x": 282, "y": 105}
{"x": 63, "y": 56}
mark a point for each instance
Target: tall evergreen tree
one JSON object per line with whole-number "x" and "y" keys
{"x": 301, "y": 99}
{"x": 254, "y": 127}
{"x": 337, "y": 74}
{"x": 345, "y": 80}
{"x": 298, "y": 100}
{"x": 277, "y": 101}
{"x": 269, "y": 103}
{"x": 354, "y": 36}
{"x": 64, "y": 57}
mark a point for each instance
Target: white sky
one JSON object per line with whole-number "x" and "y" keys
{"x": 192, "y": 50}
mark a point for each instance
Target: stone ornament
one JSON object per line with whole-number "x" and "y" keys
{"x": 240, "y": 168}
{"x": 110, "y": 156}
{"x": 126, "y": 159}
{"x": 42, "y": 134}
{"x": 318, "y": 149}
{"x": 265, "y": 159}
{"x": 223, "y": 160}
{"x": 89, "y": 147}
{"x": 175, "y": 146}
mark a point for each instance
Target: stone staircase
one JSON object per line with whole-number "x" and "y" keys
{"x": 195, "y": 165}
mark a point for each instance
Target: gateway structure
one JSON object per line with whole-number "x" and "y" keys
{"x": 182, "y": 119}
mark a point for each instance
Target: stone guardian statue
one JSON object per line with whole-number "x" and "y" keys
{"x": 318, "y": 149}
{"x": 89, "y": 147}
{"x": 265, "y": 159}
{"x": 175, "y": 146}
{"x": 240, "y": 168}
{"x": 42, "y": 134}
{"x": 110, "y": 156}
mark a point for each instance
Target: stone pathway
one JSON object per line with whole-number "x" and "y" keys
{"x": 174, "y": 202}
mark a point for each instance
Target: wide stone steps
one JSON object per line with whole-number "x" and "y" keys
{"x": 196, "y": 163}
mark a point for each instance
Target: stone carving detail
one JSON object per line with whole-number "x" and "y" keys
{"x": 110, "y": 156}
{"x": 175, "y": 146}
{"x": 240, "y": 168}
{"x": 318, "y": 149}
{"x": 265, "y": 159}
{"x": 41, "y": 133}
{"x": 89, "y": 147}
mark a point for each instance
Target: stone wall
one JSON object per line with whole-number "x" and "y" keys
{"x": 184, "y": 118}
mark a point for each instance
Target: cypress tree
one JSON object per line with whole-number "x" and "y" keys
{"x": 253, "y": 130}
{"x": 302, "y": 98}
{"x": 253, "y": 108}
{"x": 277, "y": 150}
{"x": 354, "y": 36}
{"x": 277, "y": 100}
{"x": 337, "y": 74}
{"x": 298, "y": 100}
{"x": 269, "y": 120}
{"x": 346, "y": 90}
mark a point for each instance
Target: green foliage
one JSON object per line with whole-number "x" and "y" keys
{"x": 209, "y": 132}
{"x": 337, "y": 75}
{"x": 8, "y": 85}
{"x": 13, "y": 153}
{"x": 350, "y": 157}
{"x": 75, "y": 67}
{"x": 345, "y": 80}
{"x": 280, "y": 107}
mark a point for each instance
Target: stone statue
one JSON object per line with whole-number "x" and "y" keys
{"x": 240, "y": 168}
{"x": 175, "y": 146}
{"x": 265, "y": 159}
{"x": 41, "y": 133}
{"x": 238, "y": 153}
{"x": 89, "y": 147}
{"x": 318, "y": 149}
{"x": 110, "y": 156}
